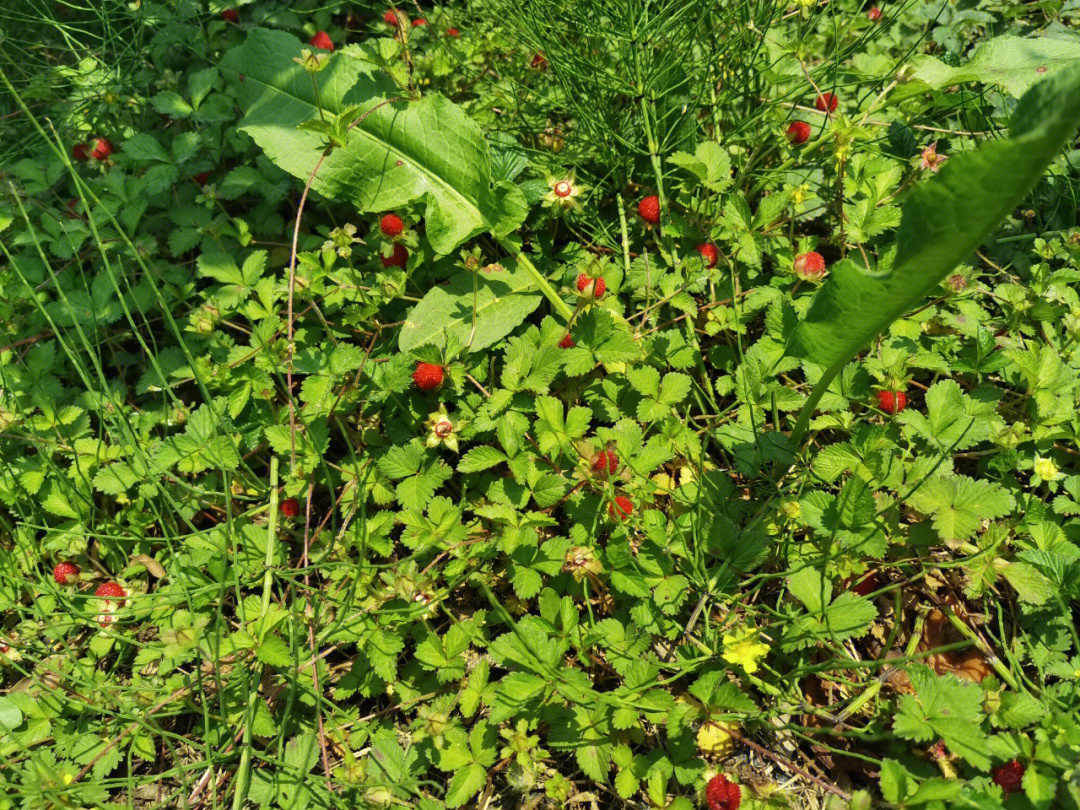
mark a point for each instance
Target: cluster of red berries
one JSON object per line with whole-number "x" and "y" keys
{"x": 392, "y": 226}
{"x": 101, "y": 150}
{"x": 722, "y": 794}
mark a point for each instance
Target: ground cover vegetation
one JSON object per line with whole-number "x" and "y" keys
{"x": 539, "y": 404}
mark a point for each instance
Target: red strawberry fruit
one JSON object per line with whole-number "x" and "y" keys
{"x": 624, "y": 510}
{"x": 419, "y": 21}
{"x": 201, "y": 178}
{"x": 809, "y": 266}
{"x": 110, "y": 590}
{"x": 892, "y": 401}
{"x": 397, "y": 259}
{"x": 112, "y": 596}
{"x": 102, "y": 149}
{"x": 826, "y": 102}
{"x": 452, "y": 32}
{"x": 709, "y": 254}
{"x": 1009, "y": 776}
{"x": 867, "y": 585}
{"x": 290, "y": 507}
{"x": 65, "y": 573}
{"x": 722, "y": 794}
{"x": 322, "y": 40}
{"x": 649, "y": 209}
{"x": 230, "y": 15}
{"x": 391, "y": 225}
{"x": 598, "y": 285}
{"x": 798, "y": 133}
{"x": 390, "y": 17}
{"x": 873, "y": 14}
{"x": 427, "y": 376}
{"x": 538, "y": 62}
{"x": 567, "y": 342}
{"x": 606, "y": 461}
{"x": 81, "y": 152}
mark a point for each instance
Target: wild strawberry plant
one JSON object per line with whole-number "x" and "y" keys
{"x": 550, "y": 404}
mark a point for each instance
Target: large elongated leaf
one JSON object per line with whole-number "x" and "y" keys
{"x": 505, "y": 297}
{"x": 944, "y": 220}
{"x": 404, "y": 151}
{"x": 1013, "y": 63}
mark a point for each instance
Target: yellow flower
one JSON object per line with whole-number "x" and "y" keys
{"x": 743, "y": 648}
{"x": 1046, "y": 469}
{"x": 713, "y": 738}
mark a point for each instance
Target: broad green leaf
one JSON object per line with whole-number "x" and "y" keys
{"x": 958, "y": 504}
{"x": 504, "y": 298}
{"x": 402, "y": 152}
{"x": 944, "y": 220}
{"x": 1014, "y": 63}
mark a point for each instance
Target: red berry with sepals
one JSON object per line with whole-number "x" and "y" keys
{"x": 112, "y": 596}
{"x": 81, "y": 152}
{"x": 418, "y": 22}
{"x": 722, "y": 794}
{"x": 1009, "y": 777}
{"x": 290, "y": 507}
{"x": 110, "y": 590}
{"x": 452, "y": 32}
{"x": 391, "y": 225}
{"x": 826, "y": 102}
{"x": 798, "y": 133}
{"x": 201, "y": 178}
{"x": 873, "y": 14}
{"x": 390, "y": 17}
{"x": 428, "y": 376}
{"x": 606, "y": 462}
{"x": 567, "y": 342}
{"x": 65, "y": 573}
{"x": 102, "y": 149}
{"x": 230, "y": 15}
{"x": 397, "y": 259}
{"x": 709, "y": 254}
{"x": 892, "y": 402}
{"x": 649, "y": 209}
{"x": 322, "y": 40}
{"x": 622, "y": 508}
{"x": 809, "y": 266}
{"x": 538, "y": 62}
{"x": 584, "y": 280}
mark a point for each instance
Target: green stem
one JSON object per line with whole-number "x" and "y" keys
{"x": 243, "y": 771}
{"x": 545, "y": 286}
